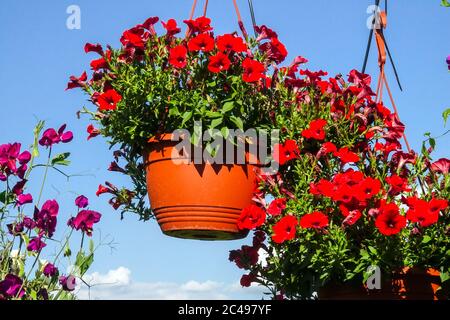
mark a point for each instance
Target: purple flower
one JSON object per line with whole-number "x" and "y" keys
{"x": 448, "y": 62}
{"x": 85, "y": 221}
{"x": 24, "y": 157}
{"x": 46, "y": 218}
{"x": 51, "y": 137}
{"x": 24, "y": 199}
{"x": 11, "y": 285}
{"x": 8, "y": 156}
{"x": 18, "y": 187}
{"x": 29, "y": 223}
{"x": 15, "y": 228}
{"x": 50, "y": 270}
{"x": 81, "y": 202}
{"x": 36, "y": 244}
{"x": 22, "y": 170}
{"x": 65, "y": 137}
{"x": 68, "y": 283}
{"x": 2, "y": 177}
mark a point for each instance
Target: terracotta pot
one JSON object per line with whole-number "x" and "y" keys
{"x": 196, "y": 201}
{"x": 408, "y": 284}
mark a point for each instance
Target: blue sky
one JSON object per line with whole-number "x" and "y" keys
{"x": 39, "y": 54}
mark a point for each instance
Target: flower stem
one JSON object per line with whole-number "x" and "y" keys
{"x": 45, "y": 176}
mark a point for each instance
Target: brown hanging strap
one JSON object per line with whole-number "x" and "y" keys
{"x": 205, "y": 10}
{"x": 382, "y": 80}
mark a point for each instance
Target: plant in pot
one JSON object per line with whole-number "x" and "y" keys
{"x": 350, "y": 214}
{"x": 154, "y": 85}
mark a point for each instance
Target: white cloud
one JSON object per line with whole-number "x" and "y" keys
{"x": 118, "y": 285}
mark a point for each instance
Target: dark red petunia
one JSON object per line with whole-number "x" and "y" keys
{"x": 251, "y": 218}
{"x": 346, "y": 156}
{"x": 200, "y": 25}
{"x": 177, "y": 56}
{"x": 247, "y": 279}
{"x": 283, "y": 153}
{"x": 397, "y": 184}
{"x": 253, "y": 70}
{"x": 276, "y": 207}
{"x": 274, "y": 50}
{"x": 203, "y": 42}
{"x": 229, "y": 42}
{"x": 171, "y": 27}
{"x": 92, "y": 131}
{"x": 89, "y": 47}
{"x": 315, "y": 130}
{"x": 351, "y": 216}
{"x": 219, "y": 62}
{"x": 441, "y": 166}
{"x": 108, "y": 100}
{"x": 285, "y": 229}
{"x": 149, "y": 24}
{"x": 77, "y": 82}
{"x": 389, "y": 221}
{"x": 315, "y": 220}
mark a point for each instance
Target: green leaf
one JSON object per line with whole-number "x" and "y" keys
{"x": 445, "y": 3}
{"x": 426, "y": 239}
{"x": 445, "y": 276}
{"x": 67, "y": 251}
{"x": 37, "y": 132}
{"x": 237, "y": 122}
{"x": 445, "y": 115}
{"x": 216, "y": 122}
{"x": 3, "y": 197}
{"x": 228, "y": 106}
{"x": 61, "y": 159}
{"x": 186, "y": 117}
{"x": 91, "y": 246}
{"x": 212, "y": 114}
{"x": 372, "y": 250}
{"x": 84, "y": 262}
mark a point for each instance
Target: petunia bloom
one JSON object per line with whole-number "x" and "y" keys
{"x": 285, "y": 229}
{"x": 203, "y": 42}
{"x": 199, "y": 25}
{"x": 441, "y": 166}
{"x": 177, "y": 56}
{"x": 315, "y": 130}
{"x": 219, "y": 62}
{"x": 253, "y": 70}
{"x": 389, "y": 221}
{"x": 315, "y": 220}
{"x": 276, "y": 207}
{"x": 229, "y": 42}
{"x": 171, "y": 27}
{"x": 251, "y": 217}
{"x": 108, "y": 100}
{"x": 288, "y": 151}
{"x": 346, "y": 156}
{"x": 92, "y": 131}
{"x": 77, "y": 82}
{"x": 89, "y": 47}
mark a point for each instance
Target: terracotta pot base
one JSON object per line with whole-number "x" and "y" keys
{"x": 199, "y": 222}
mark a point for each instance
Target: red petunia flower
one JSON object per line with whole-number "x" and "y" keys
{"x": 253, "y": 70}
{"x": 247, "y": 279}
{"x": 101, "y": 190}
{"x": 108, "y": 100}
{"x": 89, "y": 47}
{"x": 171, "y": 27}
{"x": 219, "y": 62}
{"x": 229, "y": 42}
{"x": 329, "y": 147}
{"x": 135, "y": 38}
{"x": 370, "y": 187}
{"x": 200, "y": 25}
{"x": 323, "y": 187}
{"x": 425, "y": 213}
{"x": 286, "y": 152}
{"x": 441, "y": 166}
{"x": 398, "y": 184}
{"x": 346, "y": 156}
{"x": 274, "y": 50}
{"x": 177, "y": 56}
{"x": 77, "y": 82}
{"x": 389, "y": 221}
{"x": 316, "y": 220}
{"x": 276, "y": 207}
{"x": 351, "y": 216}
{"x": 203, "y": 42}
{"x": 251, "y": 218}
{"x": 315, "y": 130}
{"x": 92, "y": 131}
{"x": 285, "y": 229}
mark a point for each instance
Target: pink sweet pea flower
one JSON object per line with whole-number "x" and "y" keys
{"x": 81, "y": 202}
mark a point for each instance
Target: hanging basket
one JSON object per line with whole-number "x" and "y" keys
{"x": 196, "y": 201}
{"x": 408, "y": 284}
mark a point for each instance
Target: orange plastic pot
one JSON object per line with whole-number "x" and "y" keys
{"x": 408, "y": 284}
{"x": 196, "y": 201}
